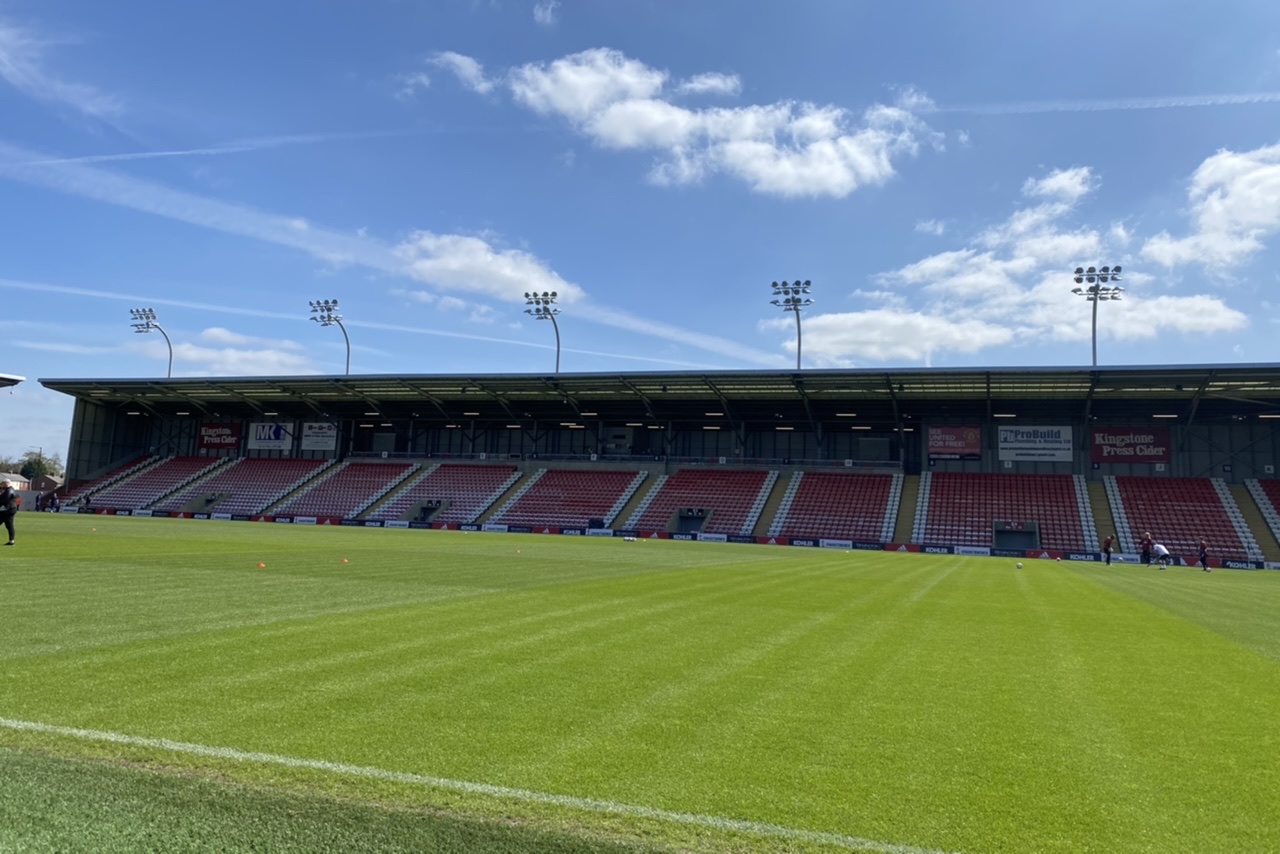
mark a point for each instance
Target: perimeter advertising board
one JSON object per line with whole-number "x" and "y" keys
{"x": 319, "y": 436}
{"x": 1130, "y": 445}
{"x": 1035, "y": 444}
{"x": 271, "y": 436}
{"x": 954, "y": 443}
{"x": 214, "y": 435}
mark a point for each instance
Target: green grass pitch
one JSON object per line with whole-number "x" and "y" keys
{"x": 424, "y": 690}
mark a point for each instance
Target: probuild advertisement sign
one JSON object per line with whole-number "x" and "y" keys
{"x": 270, "y": 436}
{"x": 1130, "y": 445}
{"x": 954, "y": 443}
{"x": 1035, "y": 444}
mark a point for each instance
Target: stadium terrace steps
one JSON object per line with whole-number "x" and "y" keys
{"x": 839, "y": 505}
{"x": 1178, "y": 511}
{"x": 465, "y": 491}
{"x": 961, "y": 508}
{"x": 345, "y": 490}
{"x": 248, "y": 486}
{"x": 732, "y": 498}
{"x": 1104, "y": 522}
{"x": 906, "y": 509}
{"x": 155, "y": 482}
{"x": 1265, "y": 495}
{"x": 570, "y": 498}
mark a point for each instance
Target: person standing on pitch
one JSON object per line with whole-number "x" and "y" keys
{"x": 1106, "y": 548}
{"x": 9, "y": 501}
{"x": 1162, "y": 554}
{"x": 1146, "y": 548}
{"x": 1202, "y": 554}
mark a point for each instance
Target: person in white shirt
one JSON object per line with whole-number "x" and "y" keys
{"x": 1161, "y": 553}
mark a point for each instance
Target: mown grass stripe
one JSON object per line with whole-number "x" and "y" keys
{"x": 526, "y": 795}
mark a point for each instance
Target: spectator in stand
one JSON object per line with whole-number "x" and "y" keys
{"x": 1202, "y": 554}
{"x": 1106, "y": 548}
{"x": 1147, "y": 541}
{"x": 1162, "y": 554}
{"x": 9, "y": 503}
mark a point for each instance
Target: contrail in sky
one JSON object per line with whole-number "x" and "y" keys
{"x": 218, "y": 150}
{"x": 1107, "y": 104}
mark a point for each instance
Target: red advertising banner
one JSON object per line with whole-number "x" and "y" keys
{"x": 955, "y": 443}
{"x": 1130, "y": 445}
{"x": 219, "y": 434}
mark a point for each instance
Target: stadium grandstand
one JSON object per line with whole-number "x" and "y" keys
{"x": 1038, "y": 461}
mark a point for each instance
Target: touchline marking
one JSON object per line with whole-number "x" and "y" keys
{"x": 761, "y": 828}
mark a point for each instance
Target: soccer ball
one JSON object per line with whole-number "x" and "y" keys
{"x": 1019, "y": 564}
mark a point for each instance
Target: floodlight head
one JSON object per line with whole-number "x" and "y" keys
{"x": 1079, "y": 280}
{"x": 1115, "y": 271}
{"x": 1105, "y": 270}
{"x": 1091, "y": 270}
{"x": 1079, "y": 272}
{"x": 1077, "y": 290}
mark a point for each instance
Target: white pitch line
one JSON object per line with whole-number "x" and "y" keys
{"x": 592, "y": 804}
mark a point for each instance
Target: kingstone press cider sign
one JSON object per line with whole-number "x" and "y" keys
{"x": 1035, "y": 444}
{"x": 219, "y": 435}
{"x": 1130, "y": 445}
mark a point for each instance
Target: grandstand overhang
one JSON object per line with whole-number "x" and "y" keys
{"x": 7, "y": 380}
{"x": 801, "y": 397}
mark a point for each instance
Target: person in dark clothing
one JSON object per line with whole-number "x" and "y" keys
{"x": 1106, "y": 548}
{"x": 1147, "y": 541}
{"x": 9, "y": 501}
{"x": 1202, "y": 554}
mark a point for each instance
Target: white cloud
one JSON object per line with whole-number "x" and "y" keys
{"x": 786, "y": 148}
{"x": 839, "y": 340}
{"x": 191, "y": 359}
{"x": 451, "y": 304}
{"x": 459, "y": 262}
{"x": 711, "y": 83}
{"x": 411, "y": 84}
{"x": 466, "y": 69}
{"x": 1010, "y": 285}
{"x": 222, "y": 335}
{"x": 931, "y": 226}
{"x": 1068, "y": 185}
{"x": 22, "y": 67}
{"x": 61, "y": 347}
{"x": 544, "y": 12}
{"x": 1235, "y": 203}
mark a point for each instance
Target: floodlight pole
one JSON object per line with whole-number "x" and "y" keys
{"x": 325, "y": 312}
{"x": 795, "y": 296}
{"x": 145, "y": 321}
{"x": 544, "y": 309}
{"x": 1097, "y": 292}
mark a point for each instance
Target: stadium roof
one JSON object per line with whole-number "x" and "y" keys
{"x": 7, "y": 380}
{"x": 810, "y": 395}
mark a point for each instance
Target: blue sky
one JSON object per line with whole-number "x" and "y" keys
{"x": 936, "y": 174}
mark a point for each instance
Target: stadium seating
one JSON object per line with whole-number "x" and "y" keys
{"x": 102, "y": 481}
{"x": 1179, "y": 511}
{"x": 961, "y": 508}
{"x": 466, "y": 490}
{"x": 839, "y": 505}
{"x": 346, "y": 490}
{"x": 140, "y": 490}
{"x": 247, "y": 486}
{"x": 732, "y": 499}
{"x": 570, "y": 498}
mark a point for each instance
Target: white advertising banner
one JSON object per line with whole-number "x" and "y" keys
{"x": 271, "y": 436}
{"x": 319, "y": 436}
{"x": 1035, "y": 444}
